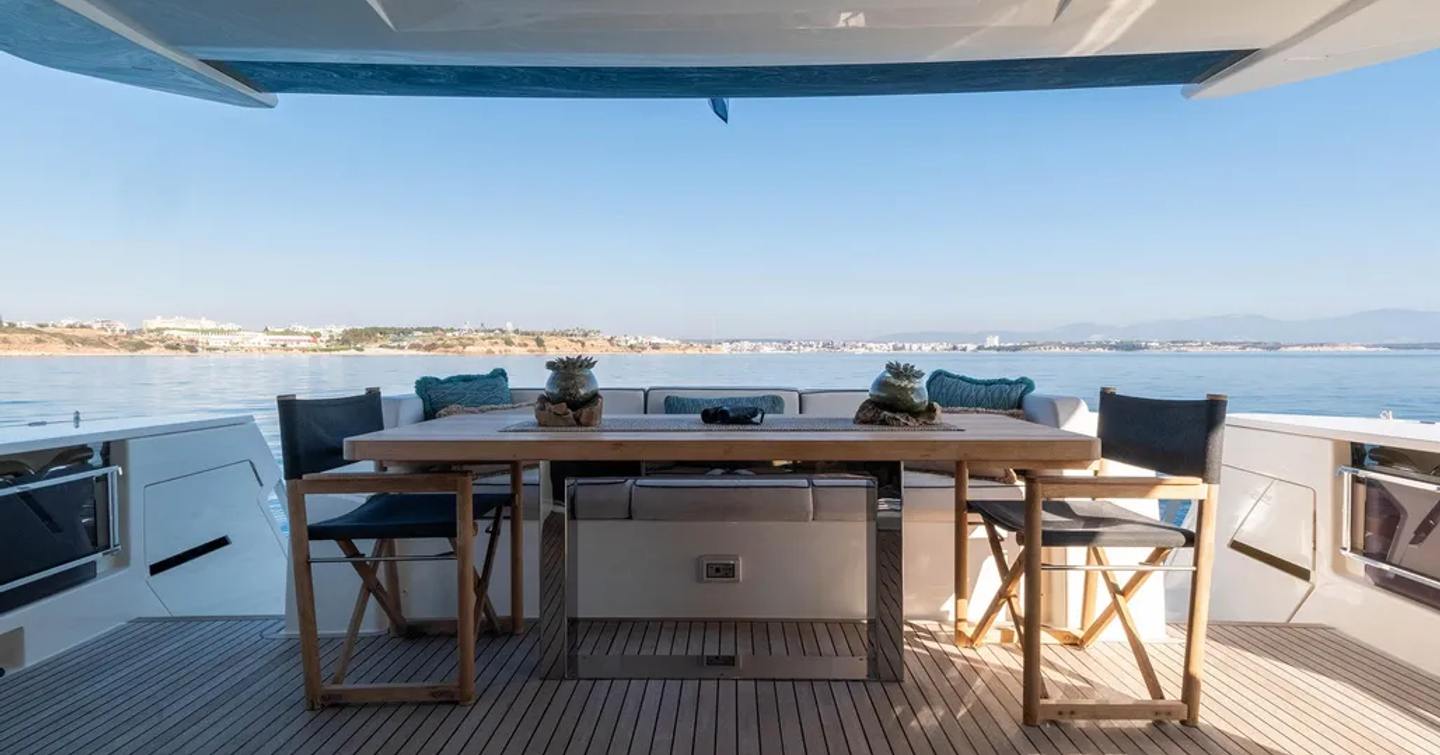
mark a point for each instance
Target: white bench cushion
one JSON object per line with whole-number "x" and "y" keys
{"x": 840, "y": 498}
{"x": 928, "y": 497}
{"x": 721, "y": 498}
{"x": 601, "y": 497}
{"x": 593, "y": 497}
{"x": 832, "y": 403}
{"x": 617, "y": 400}
{"x": 407, "y": 409}
{"x": 1065, "y": 412}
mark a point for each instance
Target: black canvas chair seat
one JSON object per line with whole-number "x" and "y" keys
{"x": 1066, "y": 524}
{"x": 402, "y": 516}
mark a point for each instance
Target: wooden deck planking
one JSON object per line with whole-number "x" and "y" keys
{"x": 233, "y": 685}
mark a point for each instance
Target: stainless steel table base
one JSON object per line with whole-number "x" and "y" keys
{"x": 885, "y": 604}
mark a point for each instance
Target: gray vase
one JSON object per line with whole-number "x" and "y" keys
{"x": 901, "y": 388}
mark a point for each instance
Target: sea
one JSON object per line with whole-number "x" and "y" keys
{"x": 1354, "y": 383}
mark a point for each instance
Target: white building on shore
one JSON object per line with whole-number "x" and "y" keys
{"x": 203, "y": 324}
{"x": 244, "y": 340}
{"x": 101, "y": 324}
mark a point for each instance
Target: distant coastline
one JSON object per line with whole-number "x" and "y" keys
{"x": 52, "y": 341}
{"x": 60, "y": 341}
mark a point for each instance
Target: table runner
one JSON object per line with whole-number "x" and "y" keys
{"x": 659, "y": 423}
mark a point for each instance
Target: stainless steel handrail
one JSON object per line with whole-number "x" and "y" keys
{"x": 1347, "y": 546}
{"x": 1115, "y": 567}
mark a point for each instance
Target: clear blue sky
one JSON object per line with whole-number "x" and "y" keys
{"x": 807, "y": 218}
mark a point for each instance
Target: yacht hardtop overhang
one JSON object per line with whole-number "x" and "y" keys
{"x": 244, "y": 52}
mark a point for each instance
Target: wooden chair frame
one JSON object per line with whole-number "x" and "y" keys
{"x": 1027, "y": 567}
{"x": 472, "y": 588}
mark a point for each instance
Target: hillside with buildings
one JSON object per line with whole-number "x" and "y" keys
{"x": 186, "y": 335}
{"x": 199, "y": 335}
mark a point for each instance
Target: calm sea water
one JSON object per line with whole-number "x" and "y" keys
{"x": 53, "y": 388}
{"x": 1362, "y": 384}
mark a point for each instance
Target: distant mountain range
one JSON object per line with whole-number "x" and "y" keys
{"x": 1379, "y": 326}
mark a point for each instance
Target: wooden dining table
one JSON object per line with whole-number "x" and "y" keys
{"x": 878, "y": 453}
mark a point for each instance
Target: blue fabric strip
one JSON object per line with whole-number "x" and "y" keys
{"x": 722, "y": 82}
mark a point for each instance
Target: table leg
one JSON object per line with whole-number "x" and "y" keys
{"x": 304, "y": 592}
{"x": 962, "y": 554}
{"x": 1033, "y": 576}
{"x": 885, "y": 624}
{"x": 517, "y": 547}
{"x": 554, "y": 574}
{"x": 465, "y": 587}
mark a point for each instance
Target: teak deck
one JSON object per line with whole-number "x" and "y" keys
{"x": 233, "y": 686}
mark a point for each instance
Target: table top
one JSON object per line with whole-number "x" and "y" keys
{"x": 480, "y": 438}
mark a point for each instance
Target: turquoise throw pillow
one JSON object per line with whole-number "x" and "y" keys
{"x": 950, "y": 390}
{"x": 771, "y": 403}
{"x": 490, "y": 389}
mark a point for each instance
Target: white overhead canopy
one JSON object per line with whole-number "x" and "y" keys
{"x": 240, "y": 51}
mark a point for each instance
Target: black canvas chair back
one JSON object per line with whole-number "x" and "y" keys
{"x": 398, "y": 506}
{"x": 313, "y": 431}
{"x": 1179, "y": 438}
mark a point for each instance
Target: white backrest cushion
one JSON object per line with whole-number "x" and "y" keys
{"x": 623, "y": 400}
{"x": 655, "y": 397}
{"x": 1065, "y": 412}
{"x": 406, "y": 409}
{"x": 525, "y": 395}
{"x": 617, "y": 400}
{"x": 832, "y": 403}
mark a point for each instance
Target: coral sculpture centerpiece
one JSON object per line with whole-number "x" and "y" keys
{"x": 572, "y": 380}
{"x": 900, "y": 388}
{"x": 572, "y": 394}
{"x": 898, "y": 397}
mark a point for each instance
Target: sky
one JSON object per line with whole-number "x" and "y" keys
{"x": 805, "y": 218}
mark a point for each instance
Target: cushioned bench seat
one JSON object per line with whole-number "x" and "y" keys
{"x": 601, "y": 497}
{"x": 593, "y": 497}
{"x": 721, "y": 498}
{"x": 840, "y": 498}
{"x": 929, "y": 497}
